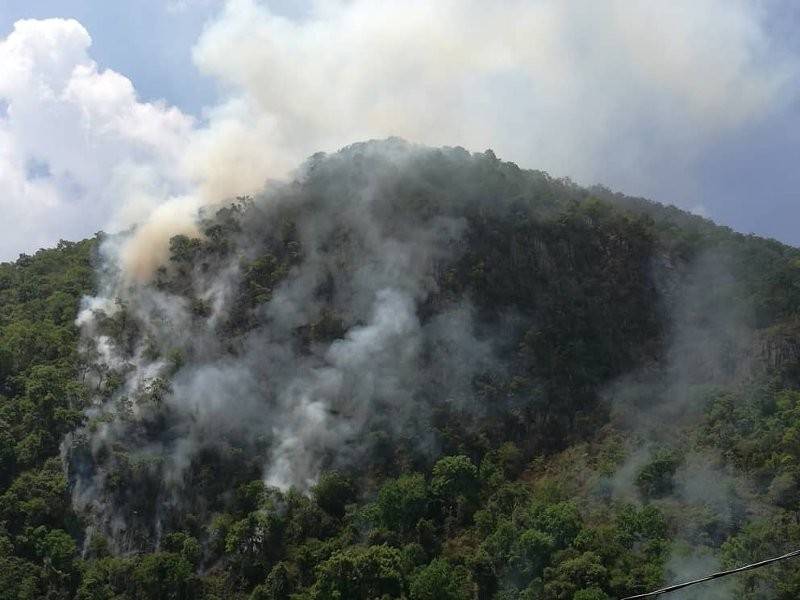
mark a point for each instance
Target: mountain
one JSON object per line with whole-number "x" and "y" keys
{"x": 408, "y": 372}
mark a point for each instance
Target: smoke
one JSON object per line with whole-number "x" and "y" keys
{"x": 690, "y": 563}
{"x": 307, "y": 330}
{"x": 373, "y": 360}
{"x": 467, "y": 73}
{"x": 708, "y": 344}
{"x": 709, "y": 347}
{"x": 299, "y": 345}
{"x": 142, "y": 253}
{"x": 611, "y": 93}
{"x": 629, "y": 94}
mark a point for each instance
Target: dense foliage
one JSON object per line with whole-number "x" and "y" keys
{"x": 558, "y": 488}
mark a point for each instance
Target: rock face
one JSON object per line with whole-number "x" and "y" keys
{"x": 778, "y": 349}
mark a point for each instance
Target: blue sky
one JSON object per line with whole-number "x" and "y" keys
{"x": 296, "y": 77}
{"x": 150, "y": 41}
{"x": 144, "y": 40}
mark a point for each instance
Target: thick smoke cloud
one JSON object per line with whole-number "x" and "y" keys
{"x": 627, "y": 93}
{"x": 552, "y": 84}
{"x": 173, "y": 381}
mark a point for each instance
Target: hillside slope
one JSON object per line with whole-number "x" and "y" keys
{"x": 408, "y": 373}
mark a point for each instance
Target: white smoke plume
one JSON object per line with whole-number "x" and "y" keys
{"x": 539, "y": 81}
{"x": 709, "y": 349}
{"x": 176, "y": 372}
{"x": 627, "y": 93}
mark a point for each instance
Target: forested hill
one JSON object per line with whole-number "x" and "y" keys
{"x": 408, "y": 373}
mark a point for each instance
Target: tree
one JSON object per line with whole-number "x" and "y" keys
{"x": 183, "y": 249}
{"x": 574, "y": 574}
{"x": 531, "y": 554}
{"x": 334, "y": 492}
{"x": 561, "y": 521}
{"x": 278, "y": 585}
{"x": 455, "y": 483}
{"x": 185, "y": 545}
{"x": 163, "y": 576}
{"x": 654, "y": 480}
{"x": 402, "y": 502}
{"x": 442, "y": 581}
{"x": 361, "y": 573}
{"x": 590, "y": 594}
{"x": 56, "y": 547}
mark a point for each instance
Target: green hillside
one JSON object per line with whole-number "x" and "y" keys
{"x": 408, "y": 373}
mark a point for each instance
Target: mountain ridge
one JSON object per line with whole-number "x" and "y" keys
{"x": 409, "y": 372}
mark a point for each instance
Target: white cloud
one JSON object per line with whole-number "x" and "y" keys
{"x": 96, "y": 147}
{"x": 626, "y": 92}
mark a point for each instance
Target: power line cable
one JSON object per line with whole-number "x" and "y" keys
{"x": 679, "y": 586}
